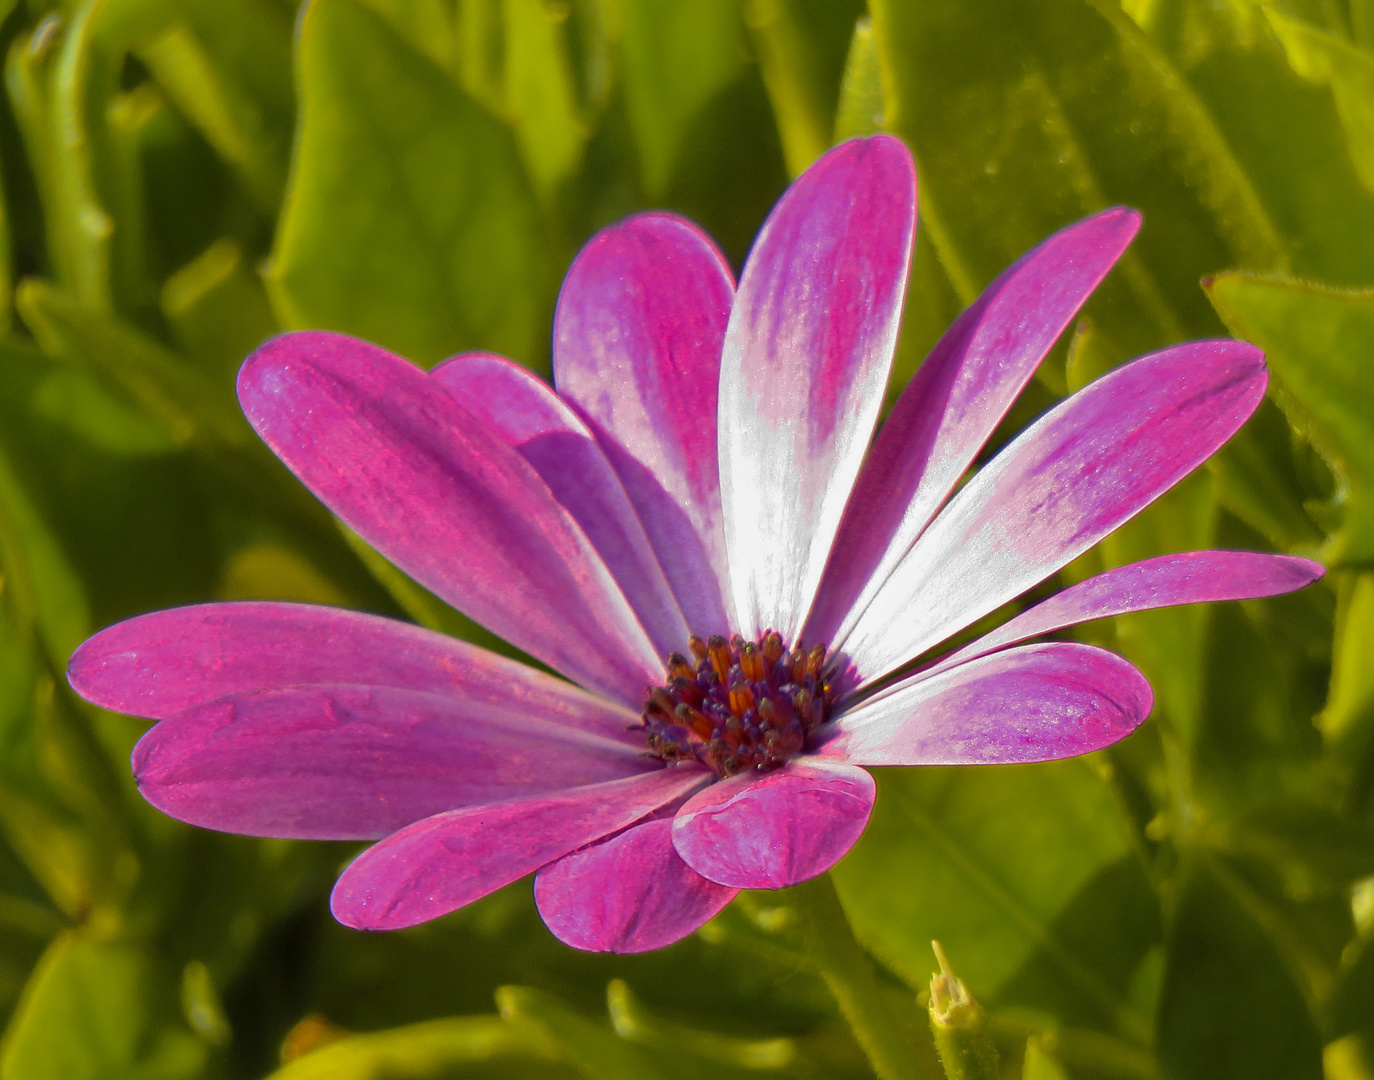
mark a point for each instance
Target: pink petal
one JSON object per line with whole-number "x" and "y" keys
{"x": 952, "y": 405}
{"x": 441, "y": 495}
{"x": 162, "y": 664}
{"x": 1086, "y": 466}
{"x": 441, "y": 863}
{"x": 629, "y": 894}
{"x": 547, "y": 434}
{"x": 1193, "y": 577}
{"x": 636, "y": 350}
{"x": 805, "y": 361}
{"x": 356, "y": 762}
{"x": 773, "y": 830}
{"x": 1036, "y": 703}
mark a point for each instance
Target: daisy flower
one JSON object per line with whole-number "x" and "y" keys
{"x": 694, "y": 532}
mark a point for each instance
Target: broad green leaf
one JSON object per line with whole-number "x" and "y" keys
{"x": 1324, "y": 58}
{"x": 408, "y": 220}
{"x": 1018, "y": 870}
{"x": 1285, "y": 132}
{"x": 675, "y": 58}
{"x": 1311, "y": 846}
{"x": 1063, "y": 108}
{"x": 97, "y": 1011}
{"x": 484, "y": 1046}
{"x": 1230, "y": 1009}
{"x": 1318, "y": 341}
{"x": 1257, "y": 479}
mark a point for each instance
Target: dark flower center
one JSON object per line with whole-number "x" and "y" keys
{"x": 738, "y": 705}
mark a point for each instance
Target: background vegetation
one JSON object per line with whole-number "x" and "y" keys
{"x": 183, "y": 178}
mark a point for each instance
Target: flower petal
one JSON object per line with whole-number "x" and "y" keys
{"x": 805, "y": 361}
{"x": 546, "y": 433}
{"x": 629, "y": 894}
{"x": 636, "y": 350}
{"x": 1082, "y": 469}
{"x": 162, "y": 664}
{"x": 952, "y": 405}
{"x": 804, "y": 367}
{"x": 774, "y": 830}
{"x": 1193, "y": 577}
{"x": 1036, "y": 703}
{"x": 358, "y": 762}
{"x": 431, "y": 487}
{"x": 446, "y": 861}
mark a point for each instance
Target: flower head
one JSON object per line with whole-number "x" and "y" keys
{"x": 694, "y": 532}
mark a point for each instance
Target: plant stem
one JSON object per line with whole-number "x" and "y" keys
{"x": 960, "y": 1027}
{"x": 887, "y": 1031}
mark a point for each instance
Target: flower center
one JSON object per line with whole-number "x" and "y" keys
{"x": 738, "y": 705}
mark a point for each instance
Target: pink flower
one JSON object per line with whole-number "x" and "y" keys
{"x": 701, "y": 471}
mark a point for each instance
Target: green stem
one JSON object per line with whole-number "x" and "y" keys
{"x": 884, "y": 1025}
{"x": 960, "y": 1027}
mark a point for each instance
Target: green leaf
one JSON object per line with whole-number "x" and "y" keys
{"x": 38, "y": 583}
{"x": 594, "y": 1048}
{"x": 860, "y": 107}
{"x": 1167, "y": 643}
{"x": 219, "y": 310}
{"x": 94, "y": 1011}
{"x": 1041, "y": 1064}
{"x": 801, "y": 54}
{"x": 466, "y": 1045}
{"x": 635, "y": 1021}
{"x": 881, "y": 1023}
{"x": 166, "y": 389}
{"x": 1352, "y": 677}
{"x": 1317, "y": 340}
{"x": 1351, "y": 1007}
{"x": 1257, "y": 479}
{"x": 1023, "y": 872}
{"x": 1284, "y": 131}
{"x": 408, "y": 220}
{"x": 430, "y": 27}
{"x": 1324, "y": 58}
{"x": 1229, "y": 1008}
{"x": 229, "y": 122}
{"x": 676, "y": 58}
{"x": 541, "y": 93}
{"x": 1063, "y": 108}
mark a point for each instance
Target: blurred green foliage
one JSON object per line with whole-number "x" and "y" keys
{"x": 183, "y": 178}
